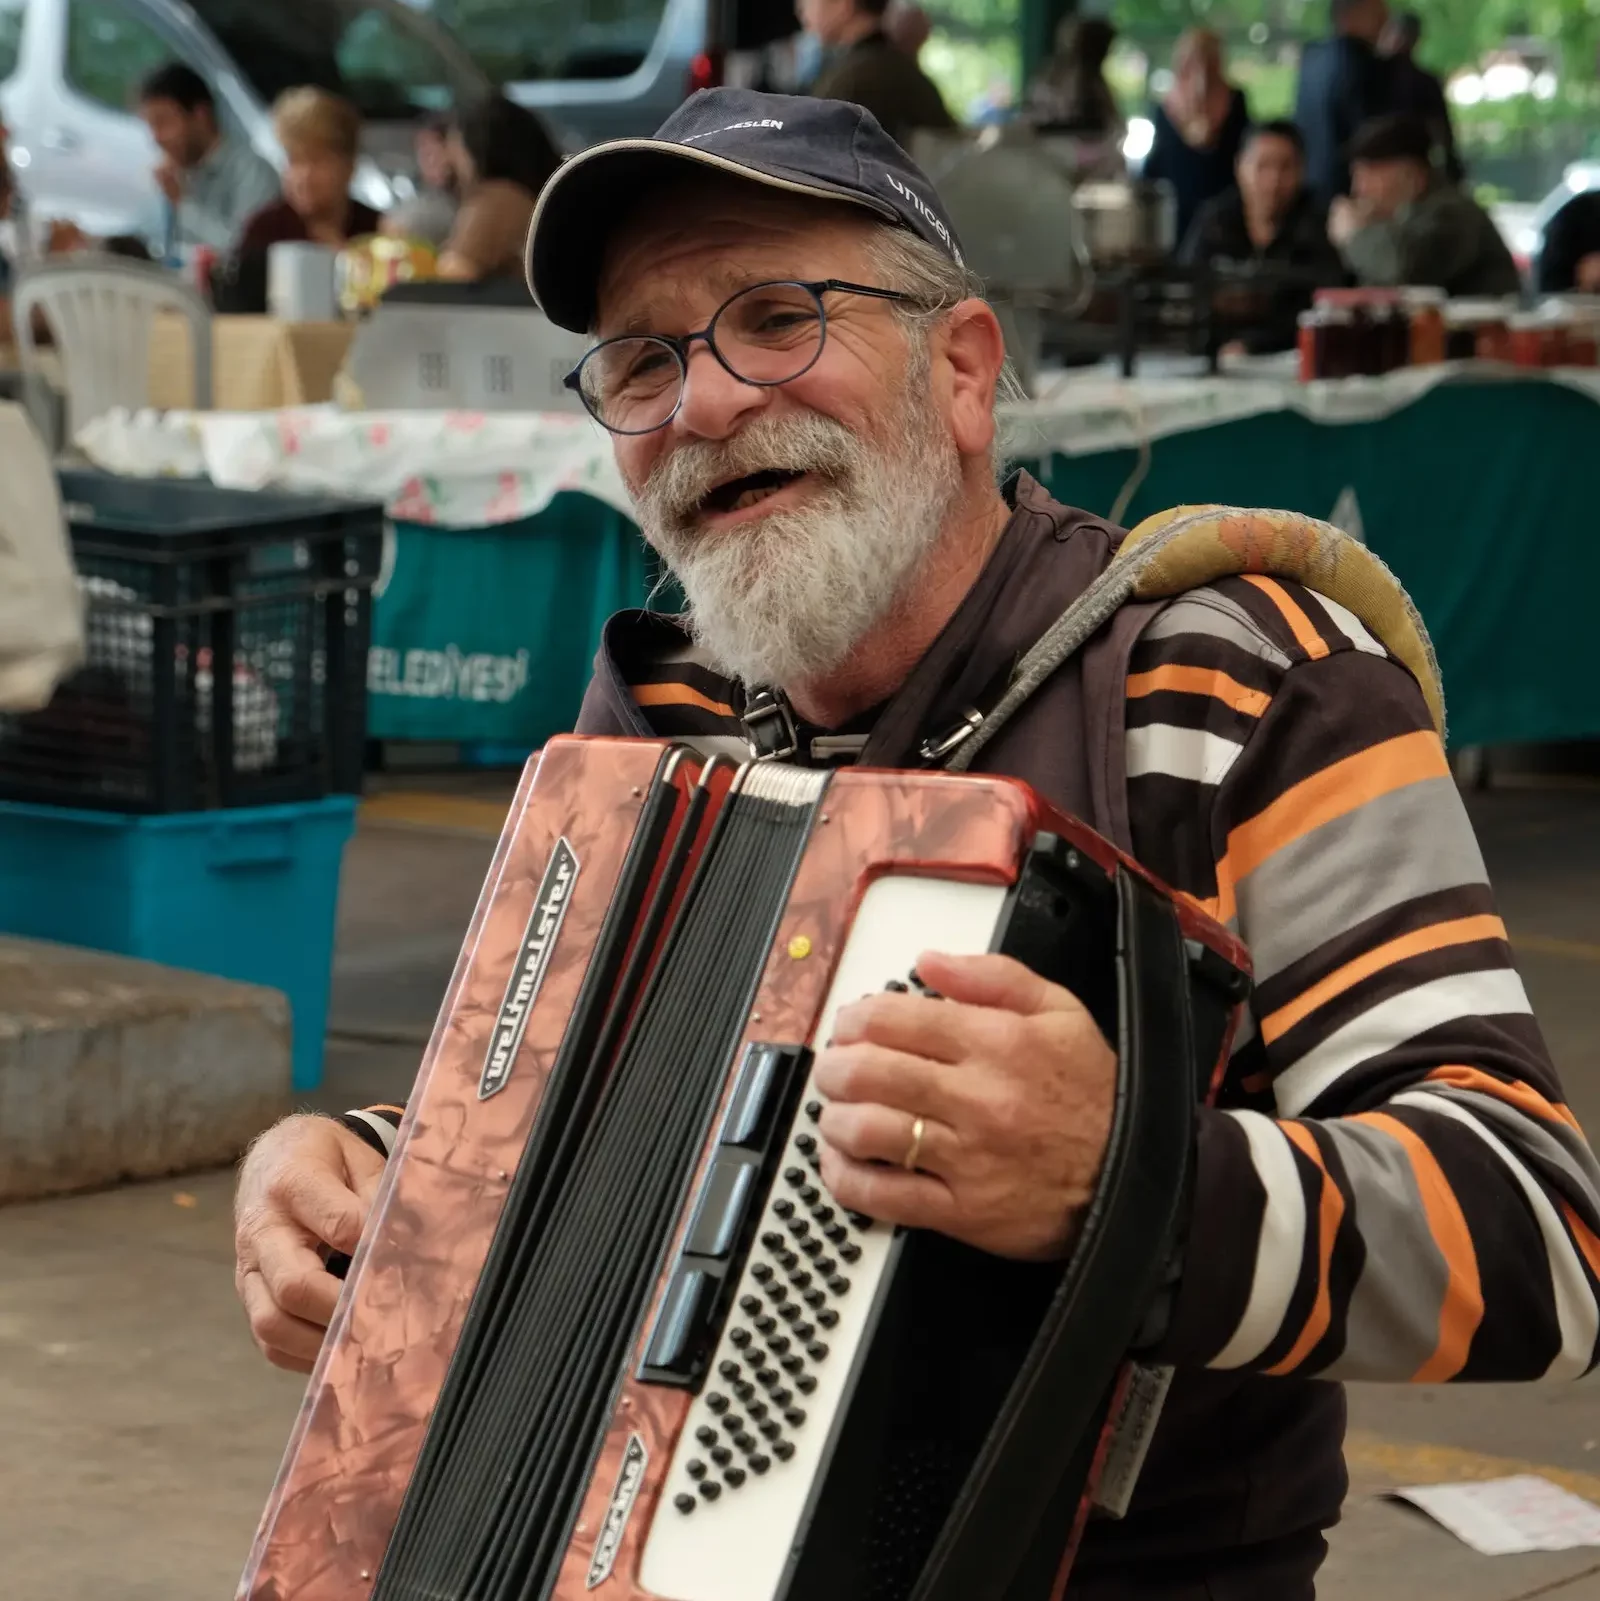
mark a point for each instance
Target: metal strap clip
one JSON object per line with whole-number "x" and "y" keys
{"x": 769, "y": 726}
{"x": 937, "y": 746}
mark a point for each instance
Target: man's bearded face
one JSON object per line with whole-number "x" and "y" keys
{"x": 783, "y": 598}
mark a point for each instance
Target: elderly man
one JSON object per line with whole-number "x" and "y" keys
{"x": 801, "y": 379}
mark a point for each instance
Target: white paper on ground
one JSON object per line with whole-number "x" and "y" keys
{"x": 1502, "y": 1516}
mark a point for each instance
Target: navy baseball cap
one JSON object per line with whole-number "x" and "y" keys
{"x": 826, "y": 148}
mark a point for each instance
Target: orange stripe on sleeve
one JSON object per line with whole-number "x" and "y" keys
{"x": 1462, "y": 1311}
{"x": 1309, "y": 640}
{"x": 1339, "y": 789}
{"x": 1210, "y": 681}
{"x": 1522, "y": 1096}
{"x": 677, "y": 695}
{"x": 1586, "y": 1242}
{"x": 1330, "y": 1214}
{"x": 1436, "y": 937}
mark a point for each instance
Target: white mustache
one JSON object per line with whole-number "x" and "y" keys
{"x": 810, "y": 443}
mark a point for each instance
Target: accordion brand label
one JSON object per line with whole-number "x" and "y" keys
{"x": 631, "y": 1475}
{"x": 533, "y": 960}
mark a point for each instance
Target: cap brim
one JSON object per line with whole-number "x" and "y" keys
{"x": 577, "y": 210}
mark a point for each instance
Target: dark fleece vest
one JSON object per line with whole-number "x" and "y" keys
{"x": 1245, "y": 1471}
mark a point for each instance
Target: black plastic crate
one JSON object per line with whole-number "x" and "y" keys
{"x": 187, "y": 586}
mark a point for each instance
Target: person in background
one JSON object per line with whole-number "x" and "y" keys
{"x": 1344, "y": 84}
{"x": 1268, "y": 217}
{"x": 210, "y": 182}
{"x": 1405, "y": 223}
{"x": 908, "y": 26}
{"x": 502, "y": 156}
{"x": 1416, "y": 91}
{"x": 321, "y": 138}
{"x": 1200, "y": 126}
{"x": 1570, "y": 258}
{"x": 430, "y": 213}
{"x": 868, "y": 68}
{"x": 1071, "y": 96}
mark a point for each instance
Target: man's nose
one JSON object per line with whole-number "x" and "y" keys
{"x": 714, "y": 401}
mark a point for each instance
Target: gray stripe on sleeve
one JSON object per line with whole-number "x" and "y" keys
{"x": 1392, "y": 1324}
{"x": 1411, "y": 842}
{"x": 1204, "y": 611}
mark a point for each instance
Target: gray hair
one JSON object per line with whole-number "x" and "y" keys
{"x": 903, "y": 261}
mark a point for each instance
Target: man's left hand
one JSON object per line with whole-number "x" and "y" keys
{"x": 1013, "y": 1083}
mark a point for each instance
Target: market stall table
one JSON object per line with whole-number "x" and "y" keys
{"x": 511, "y": 532}
{"x": 257, "y": 363}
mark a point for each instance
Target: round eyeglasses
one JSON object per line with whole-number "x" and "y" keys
{"x": 765, "y": 335}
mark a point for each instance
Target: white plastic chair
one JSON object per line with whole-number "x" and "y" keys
{"x": 102, "y": 311}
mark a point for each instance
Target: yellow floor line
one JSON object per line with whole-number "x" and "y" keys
{"x": 1400, "y": 1462}
{"x": 420, "y": 809}
{"x": 1581, "y": 950}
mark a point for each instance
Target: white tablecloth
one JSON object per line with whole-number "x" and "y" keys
{"x": 469, "y": 470}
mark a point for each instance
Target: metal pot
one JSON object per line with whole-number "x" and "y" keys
{"x": 1128, "y": 220}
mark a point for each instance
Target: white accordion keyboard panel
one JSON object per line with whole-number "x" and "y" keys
{"x": 758, "y": 1433}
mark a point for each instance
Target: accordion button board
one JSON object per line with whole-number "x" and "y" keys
{"x": 782, "y": 1375}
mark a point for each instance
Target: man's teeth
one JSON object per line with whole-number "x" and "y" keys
{"x": 751, "y": 496}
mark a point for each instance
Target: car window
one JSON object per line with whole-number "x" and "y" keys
{"x": 110, "y": 51}
{"x": 377, "y": 57}
{"x": 11, "y": 14}
{"x": 520, "y": 40}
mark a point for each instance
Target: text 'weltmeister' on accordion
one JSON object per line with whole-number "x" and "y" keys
{"x": 608, "y": 1333}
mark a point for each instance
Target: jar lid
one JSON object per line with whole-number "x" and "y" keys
{"x": 1528, "y": 321}
{"x": 1419, "y": 297}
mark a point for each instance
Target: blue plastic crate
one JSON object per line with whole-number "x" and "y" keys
{"x": 249, "y": 894}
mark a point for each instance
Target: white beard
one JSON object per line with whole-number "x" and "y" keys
{"x": 784, "y": 600}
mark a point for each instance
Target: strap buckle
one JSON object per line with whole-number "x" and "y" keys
{"x": 937, "y": 746}
{"x": 769, "y": 726}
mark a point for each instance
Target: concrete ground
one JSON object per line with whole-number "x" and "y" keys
{"x": 141, "y": 1431}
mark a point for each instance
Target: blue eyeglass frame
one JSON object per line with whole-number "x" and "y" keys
{"x": 680, "y": 344}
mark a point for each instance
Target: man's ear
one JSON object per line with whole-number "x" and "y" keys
{"x": 974, "y": 351}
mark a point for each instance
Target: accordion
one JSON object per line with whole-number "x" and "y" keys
{"x": 607, "y": 1333}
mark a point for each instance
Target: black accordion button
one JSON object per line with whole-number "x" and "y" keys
{"x": 837, "y": 1233}
{"x": 721, "y": 1455}
{"x": 705, "y": 1434}
{"x": 793, "y": 1364}
{"x": 710, "y": 1489}
{"x": 781, "y": 1397}
{"x": 776, "y": 1293}
{"x": 733, "y": 1478}
{"x": 759, "y": 1463}
{"x": 824, "y": 1215}
{"x": 783, "y": 1207}
{"x": 765, "y": 1323}
{"x": 838, "y": 1284}
{"x": 806, "y": 1383}
{"x": 816, "y": 1351}
{"x": 779, "y": 1343}
{"x": 799, "y": 1227}
{"x": 826, "y": 1266}
{"x": 761, "y": 1272}
{"x": 772, "y": 1428}
{"x": 696, "y": 1469}
{"x": 717, "y": 1402}
{"x": 805, "y": 1144}
{"x": 732, "y": 1423}
{"x": 744, "y": 1390}
{"x": 756, "y": 1408}
{"x": 828, "y": 1318}
{"x": 897, "y": 986}
{"x": 812, "y": 1247}
{"x": 773, "y": 1240}
{"x": 803, "y": 1331}
{"x": 750, "y": 1304}
{"x": 800, "y": 1279}
{"x": 729, "y": 1370}
{"x": 789, "y": 1313}
{"x": 813, "y": 1110}
{"x": 739, "y": 1336}
{"x": 685, "y": 1503}
{"x": 794, "y": 1177}
{"x": 745, "y": 1442}
{"x": 785, "y": 1259}
{"x": 794, "y": 1417}
{"x": 768, "y": 1376}
{"x": 783, "y": 1449}
{"x": 816, "y": 1299}
{"x": 811, "y": 1195}
{"x": 850, "y": 1251}
{"x": 859, "y": 1220}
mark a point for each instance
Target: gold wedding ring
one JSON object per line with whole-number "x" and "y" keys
{"x": 918, "y": 1129}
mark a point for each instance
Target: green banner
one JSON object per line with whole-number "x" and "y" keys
{"x": 489, "y": 634}
{"x": 1478, "y": 497}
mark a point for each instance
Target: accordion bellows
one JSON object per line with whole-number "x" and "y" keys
{"x": 607, "y": 1332}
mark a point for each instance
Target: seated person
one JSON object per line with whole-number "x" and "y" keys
{"x": 430, "y": 213}
{"x": 321, "y": 138}
{"x": 1270, "y": 217}
{"x": 1570, "y": 259}
{"x": 502, "y": 156}
{"x": 1405, "y": 223}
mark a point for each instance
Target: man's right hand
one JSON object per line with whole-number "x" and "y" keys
{"x": 169, "y": 180}
{"x": 306, "y": 1182}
